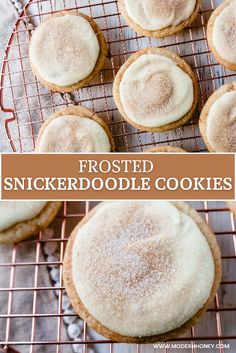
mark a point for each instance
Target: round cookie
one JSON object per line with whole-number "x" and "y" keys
{"x": 74, "y": 130}
{"x": 159, "y": 18}
{"x": 221, "y": 34}
{"x": 166, "y": 149}
{"x": 217, "y": 120}
{"x": 22, "y": 219}
{"x": 123, "y": 264}
{"x": 67, "y": 50}
{"x": 155, "y": 90}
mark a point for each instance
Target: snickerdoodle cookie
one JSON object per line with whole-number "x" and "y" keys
{"x": 73, "y": 130}
{"x": 142, "y": 272}
{"x": 159, "y": 18}
{"x": 67, "y": 50}
{"x": 218, "y": 120}
{"x": 221, "y": 34}
{"x": 21, "y": 219}
{"x": 155, "y": 90}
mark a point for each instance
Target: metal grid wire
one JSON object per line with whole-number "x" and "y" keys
{"x": 26, "y": 104}
{"x": 217, "y": 326}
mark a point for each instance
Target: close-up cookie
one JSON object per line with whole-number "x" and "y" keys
{"x": 159, "y": 18}
{"x": 73, "y": 130}
{"x": 217, "y": 121}
{"x": 67, "y": 50}
{"x": 21, "y": 219}
{"x": 221, "y": 34}
{"x": 166, "y": 149}
{"x": 142, "y": 272}
{"x": 155, "y": 90}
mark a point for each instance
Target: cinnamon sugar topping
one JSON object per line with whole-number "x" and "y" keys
{"x": 224, "y": 33}
{"x": 64, "y": 49}
{"x": 133, "y": 261}
{"x": 158, "y": 14}
{"x": 72, "y": 134}
{"x": 221, "y": 123}
{"x": 155, "y": 91}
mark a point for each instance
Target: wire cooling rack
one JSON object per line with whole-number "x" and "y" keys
{"x": 26, "y": 104}
{"x": 218, "y": 326}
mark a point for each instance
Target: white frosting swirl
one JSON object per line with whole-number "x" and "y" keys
{"x": 155, "y": 92}
{"x": 224, "y": 33}
{"x": 64, "y": 50}
{"x": 72, "y": 134}
{"x": 142, "y": 268}
{"x": 13, "y": 212}
{"x": 158, "y": 14}
{"x": 221, "y": 123}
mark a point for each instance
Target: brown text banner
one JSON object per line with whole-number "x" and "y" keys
{"x": 118, "y": 176}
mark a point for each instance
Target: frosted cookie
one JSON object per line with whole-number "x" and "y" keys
{"x": 218, "y": 120}
{"x": 155, "y": 90}
{"x": 221, "y": 34}
{"x": 159, "y": 18}
{"x": 74, "y": 129}
{"x": 141, "y": 272}
{"x": 166, "y": 149}
{"x": 67, "y": 50}
{"x": 21, "y": 219}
